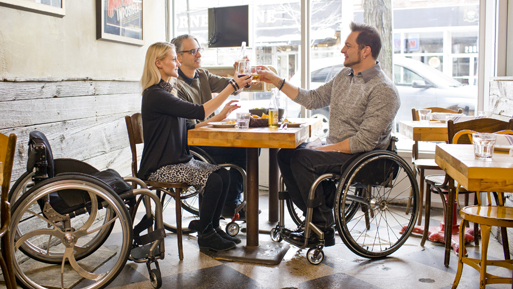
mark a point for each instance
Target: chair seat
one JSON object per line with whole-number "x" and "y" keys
{"x": 489, "y": 215}
{"x": 435, "y": 180}
{"x": 427, "y": 164}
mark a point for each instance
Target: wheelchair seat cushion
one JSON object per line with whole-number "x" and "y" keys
{"x": 66, "y": 201}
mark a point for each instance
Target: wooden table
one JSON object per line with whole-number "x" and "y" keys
{"x": 460, "y": 164}
{"x": 254, "y": 138}
{"x": 418, "y": 131}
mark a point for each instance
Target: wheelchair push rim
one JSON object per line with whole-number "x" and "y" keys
{"x": 373, "y": 228}
{"x": 64, "y": 239}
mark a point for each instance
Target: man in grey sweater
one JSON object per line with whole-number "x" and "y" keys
{"x": 363, "y": 103}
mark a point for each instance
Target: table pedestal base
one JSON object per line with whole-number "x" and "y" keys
{"x": 267, "y": 253}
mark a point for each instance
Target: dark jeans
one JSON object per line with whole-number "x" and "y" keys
{"x": 236, "y": 156}
{"x": 300, "y": 167}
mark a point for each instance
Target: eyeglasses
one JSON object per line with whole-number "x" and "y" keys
{"x": 192, "y": 51}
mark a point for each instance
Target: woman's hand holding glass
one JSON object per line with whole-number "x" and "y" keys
{"x": 243, "y": 81}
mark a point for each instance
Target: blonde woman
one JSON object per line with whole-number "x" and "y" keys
{"x": 166, "y": 155}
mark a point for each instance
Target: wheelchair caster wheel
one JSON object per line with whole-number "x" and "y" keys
{"x": 276, "y": 235}
{"x": 315, "y": 256}
{"x": 232, "y": 229}
{"x": 155, "y": 278}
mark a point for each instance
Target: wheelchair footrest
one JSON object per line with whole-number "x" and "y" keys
{"x": 143, "y": 252}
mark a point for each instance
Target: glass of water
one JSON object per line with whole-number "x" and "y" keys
{"x": 242, "y": 121}
{"x": 424, "y": 115}
{"x": 484, "y": 144}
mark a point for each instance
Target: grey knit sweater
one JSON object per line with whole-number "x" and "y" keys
{"x": 362, "y": 107}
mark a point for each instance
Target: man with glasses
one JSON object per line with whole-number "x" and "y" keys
{"x": 197, "y": 87}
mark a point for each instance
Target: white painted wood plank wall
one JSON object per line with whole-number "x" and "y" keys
{"x": 82, "y": 119}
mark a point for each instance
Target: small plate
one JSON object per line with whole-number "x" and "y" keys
{"x": 503, "y": 148}
{"x": 294, "y": 124}
{"x": 222, "y": 124}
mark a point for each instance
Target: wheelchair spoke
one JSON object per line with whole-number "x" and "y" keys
{"x": 104, "y": 226}
{"x": 69, "y": 255}
{"x": 52, "y": 232}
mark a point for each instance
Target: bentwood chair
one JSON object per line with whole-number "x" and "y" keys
{"x": 422, "y": 164}
{"x": 486, "y": 216}
{"x": 439, "y": 185}
{"x": 7, "y": 150}
{"x": 165, "y": 191}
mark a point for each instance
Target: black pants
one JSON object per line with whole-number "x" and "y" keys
{"x": 300, "y": 167}
{"x": 237, "y": 156}
{"x": 214, "y": 197}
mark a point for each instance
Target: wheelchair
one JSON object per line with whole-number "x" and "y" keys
{"x": 372, "y": 192}
{"x": 70, "y": 219}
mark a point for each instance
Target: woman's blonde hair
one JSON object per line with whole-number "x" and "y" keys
{"x": 151, "y": 74}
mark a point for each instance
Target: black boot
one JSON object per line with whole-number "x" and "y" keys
{"x": 194, "y": 225}
{"x": 209, "y": 239}
{"x": 225, "y": 236}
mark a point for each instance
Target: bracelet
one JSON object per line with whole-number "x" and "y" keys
{"x": 282, "y": 83}
{"x": 234, "y": 84}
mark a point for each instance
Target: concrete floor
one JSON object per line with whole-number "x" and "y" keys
{"x": 410, "y": 267}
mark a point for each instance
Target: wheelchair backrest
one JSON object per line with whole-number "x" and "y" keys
{"x": 40, "y": 157}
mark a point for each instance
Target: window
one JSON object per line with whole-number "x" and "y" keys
{"x": 428, "y": 40}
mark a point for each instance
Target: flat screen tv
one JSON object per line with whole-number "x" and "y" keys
{"x": 228, "y": 26}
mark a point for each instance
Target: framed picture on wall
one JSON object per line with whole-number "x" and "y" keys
{"x": 120, "y": 21}
{"x": 47, "y": 7}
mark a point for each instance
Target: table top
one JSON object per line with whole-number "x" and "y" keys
{"x": 419, "y": 131}
{"x": 491, "y": 175}
{"x": 254, "y": 137}
{"x": 314, "y": 124}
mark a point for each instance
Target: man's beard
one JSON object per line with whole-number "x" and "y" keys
{"x": 351, "y": 64}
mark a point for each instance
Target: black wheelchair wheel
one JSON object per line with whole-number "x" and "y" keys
{"x": 71, "y": 239}
{"x": 371, "y": 201}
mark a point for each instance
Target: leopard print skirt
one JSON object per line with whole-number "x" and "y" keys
{"x": 194, "y": 173}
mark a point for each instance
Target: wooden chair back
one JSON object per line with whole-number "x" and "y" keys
{"x": 415, "y": 112}
{"x": 477, "y": 125}
{"x": 135, "y": 136}
{"x": 415, "y": 117}
{"x": 7, "y": 151}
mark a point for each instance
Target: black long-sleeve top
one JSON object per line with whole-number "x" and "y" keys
{"x": 165, "y": 128}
